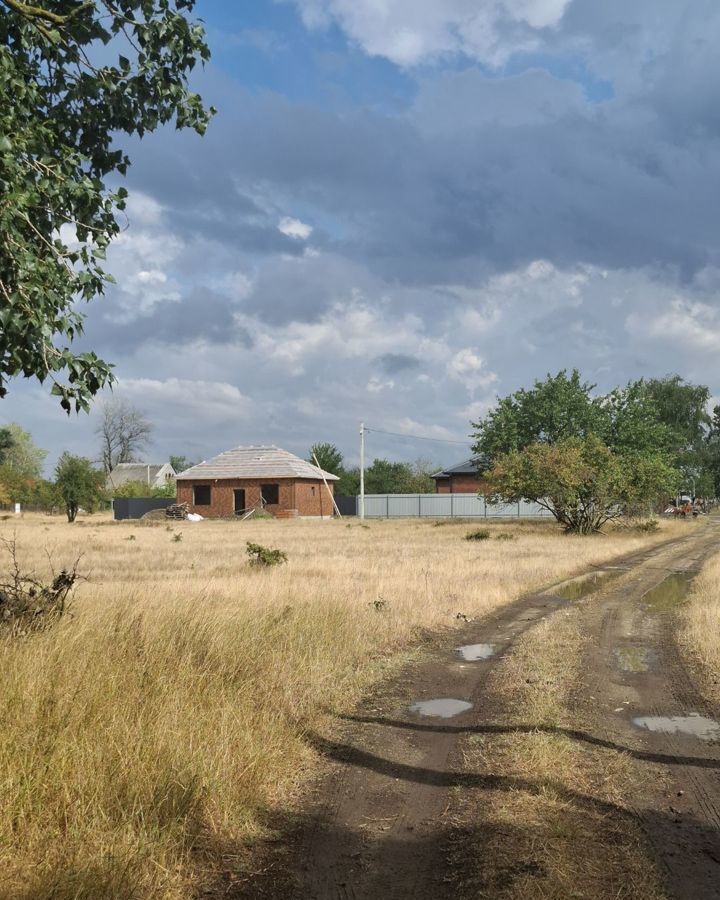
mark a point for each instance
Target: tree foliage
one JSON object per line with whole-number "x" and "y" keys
{"x": 180, "y": 463}
{"x": 666, "y": 416}
{"x": 22, "y": 454}
{"x": 79, "y": 74}
{"x": 553, "y": 410}
{"x": 581, "y": 481}
{"x": 123, "y": 431}
{"x": 329, "y": 458}
{"x": 142, "y": 489}
{"x": 79, "y": 484}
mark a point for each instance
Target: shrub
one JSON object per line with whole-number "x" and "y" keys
{"x": 505, "y": 536}
{"x": 265, "y": 556}
{"x": 650, "y": 526}
{"x": 26, "y": 604}
{"x": 482, "y": 534}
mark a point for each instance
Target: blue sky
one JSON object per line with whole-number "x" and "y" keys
{"x": 405, "y": 208}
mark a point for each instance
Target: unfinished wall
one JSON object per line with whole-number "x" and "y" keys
{"x": 309, "y": 498}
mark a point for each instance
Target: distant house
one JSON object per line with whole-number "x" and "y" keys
{"x": 256, "y": 478}
{"x": 460, "y": 479}
{"x": 154, "y": 476}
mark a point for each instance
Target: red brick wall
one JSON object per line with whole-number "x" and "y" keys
{"x": 459, "y": 484}
{"x": 309, "y": 498}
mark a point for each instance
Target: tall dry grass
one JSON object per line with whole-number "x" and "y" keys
{"x": 700, "y": 627}
{"x": 144, "y": 740}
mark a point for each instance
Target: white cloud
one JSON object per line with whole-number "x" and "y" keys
{"x": 376, "y": 385}
{"x": 410, "y": 32}
{"x": 152, "y": 276}
{"x": 294, "y": 228}
{"x": 211, "y": 402}
{"x": 468, "y": 367}
{"x": 692, "y": 324}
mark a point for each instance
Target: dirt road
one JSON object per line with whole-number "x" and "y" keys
{"x": 380, "y": 822}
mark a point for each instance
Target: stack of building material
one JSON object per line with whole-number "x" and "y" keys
{"x": 177, "y": 511}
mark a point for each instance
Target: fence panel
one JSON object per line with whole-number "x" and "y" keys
{"x": 438, "y": 506}
{"x": 467, "y": 506}
{"x": 136, "y": 507}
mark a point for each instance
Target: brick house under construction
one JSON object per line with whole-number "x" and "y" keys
{"x": 256, "y": 478}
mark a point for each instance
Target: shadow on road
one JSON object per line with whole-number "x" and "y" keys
{"x": 572, "y": 733}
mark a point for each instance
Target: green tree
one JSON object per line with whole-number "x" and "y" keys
{"x": 581, "y": 481}
{"x": 6, "y": 442}
{"x": 78, "y": 484}
{"x": 349, "y": 484}
{"x": 421, "y": 480}
{"x": 180, "y": 463}
{"x": 67, "y": 102}
{"x": 22, "y": 454}
{"x": 329, "y": 458}
{"x": 553, "y": 410}
{"x": 682, "y": 408}
{"x": 141, "y": 489}
{"x": 384, "y": 477}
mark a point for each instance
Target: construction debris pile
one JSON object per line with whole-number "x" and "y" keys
{"x": 177, "y": 511}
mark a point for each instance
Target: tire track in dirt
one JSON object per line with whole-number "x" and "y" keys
{"x": 377, "y": 824}
{"x": 635, "y": 671}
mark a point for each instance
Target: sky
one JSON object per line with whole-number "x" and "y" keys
{"x": 404, "y": 209}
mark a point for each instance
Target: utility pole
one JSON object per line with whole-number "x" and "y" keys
{"x": 362, "y": 470}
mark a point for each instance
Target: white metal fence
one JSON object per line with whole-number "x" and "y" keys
{"x": 450, "y": 506}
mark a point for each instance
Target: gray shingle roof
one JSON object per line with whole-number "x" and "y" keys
{"x": 255, "y": 462}
{"x": 468, "y": 467}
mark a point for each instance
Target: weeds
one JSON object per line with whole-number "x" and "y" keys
{"x": 482, "y": 534}
{"x": 265, "y": 556}
{"x": 27, "y": 604}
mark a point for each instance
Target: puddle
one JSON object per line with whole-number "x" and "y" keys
{"x": 694, "y": 724}
{"x": 633, "y": 659}
{"x": 445, "y": 708}
{"x": 474, "y": 652}
{"x": 581, "y": 587}
{"x": 669, "y": 593}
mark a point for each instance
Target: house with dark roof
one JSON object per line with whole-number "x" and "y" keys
{"x": 264, "y": 477}
{"x": 154, "y": 476}
{"x": 460, "y": 479}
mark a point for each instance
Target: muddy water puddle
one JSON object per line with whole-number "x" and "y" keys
{"x": 633, "y": 659}
{"x": 581, "y": 587}
{"x": 474, "y": 652}
{"x": 669, "y": 593}
{"x": 443, "y": 708}
{"x": 693, "y": 724}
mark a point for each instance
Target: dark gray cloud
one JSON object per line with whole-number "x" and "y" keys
{"x": 558, "y": 211}
{"x": 394, "y": 363}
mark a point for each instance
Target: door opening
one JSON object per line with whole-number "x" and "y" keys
{"x": 239, "y": 495}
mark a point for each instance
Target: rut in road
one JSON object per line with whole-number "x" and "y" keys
{"x": 636, "y": 664}
{"x": 379, "y": 821}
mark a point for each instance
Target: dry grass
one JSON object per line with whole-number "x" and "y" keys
{"x": 142, "y": 739}
{"x": 699, "y": 631}
{"x": 560, "y": 828}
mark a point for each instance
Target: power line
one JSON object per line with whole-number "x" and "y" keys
{"x": 418, "y": 437}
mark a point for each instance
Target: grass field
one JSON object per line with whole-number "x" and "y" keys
{"x": 145, "y": 740}
{"x": 700, "y": 628}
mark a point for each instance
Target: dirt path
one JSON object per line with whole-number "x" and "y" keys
{"x": 636, "y": 668}
{"x": 380, "y": 821}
